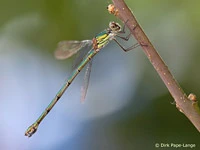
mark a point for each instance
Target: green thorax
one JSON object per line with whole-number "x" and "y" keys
{"x": 102, "y": 39}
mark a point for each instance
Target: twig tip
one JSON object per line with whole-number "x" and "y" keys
{"x": 112, "y": 10}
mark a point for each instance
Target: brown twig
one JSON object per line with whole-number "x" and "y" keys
{"x": 186, "y": 105}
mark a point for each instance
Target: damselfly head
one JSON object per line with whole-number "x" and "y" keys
{"x": 114, "y": 26}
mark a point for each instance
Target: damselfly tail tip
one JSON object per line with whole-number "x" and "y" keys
{"x": 31, "y": 130}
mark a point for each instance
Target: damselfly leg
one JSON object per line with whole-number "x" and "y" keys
{"x": 127, "y": 49}
{"x": 126, "y": 38}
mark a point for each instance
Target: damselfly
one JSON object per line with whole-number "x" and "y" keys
{"x": 68, "y": 48}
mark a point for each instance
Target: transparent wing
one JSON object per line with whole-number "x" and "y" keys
{"x": 66, "y": 49}
{"x": 80, "y": 56}
{"x": 86, "y": 81}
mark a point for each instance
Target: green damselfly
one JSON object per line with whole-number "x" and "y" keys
{"x": 68, "y": 48}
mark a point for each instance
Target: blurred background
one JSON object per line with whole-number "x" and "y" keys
{"x": 127, "y": 105}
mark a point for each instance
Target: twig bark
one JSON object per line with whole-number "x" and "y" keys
{"x": 186, "y": 105}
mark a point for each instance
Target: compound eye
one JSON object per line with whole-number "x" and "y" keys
{"x": 112, "y": 25}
